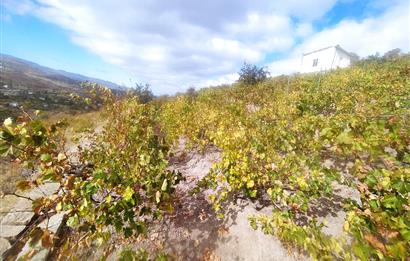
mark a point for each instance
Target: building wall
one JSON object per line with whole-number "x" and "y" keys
{"x": 327, "y": 59}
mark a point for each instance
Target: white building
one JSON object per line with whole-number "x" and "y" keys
{"x": 324, "y": 59}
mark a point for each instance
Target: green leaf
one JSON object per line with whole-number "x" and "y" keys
{"x": 360, "y": 251}
{"x": 45, "y": 157}
{"x": 127, "y": 232}
{"x": 406, "y": 234}
{"x": 253, "y": 223}
{"x": 73, "y": 221}
{"x": 344, "y": 138}
{"x": 390, "y": 201}
{"x": 128, "y": 193}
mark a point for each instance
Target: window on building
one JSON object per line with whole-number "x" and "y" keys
{"x": 315, "y": 62}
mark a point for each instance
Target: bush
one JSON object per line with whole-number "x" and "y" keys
{"x": 251, "y": 74}
{"x": 143, "y": 92}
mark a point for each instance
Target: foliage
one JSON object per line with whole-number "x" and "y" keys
{"x": 143, "y": 92}
{"x": 191, "y": 93}
{"x": 120, "y": 182}
{"x": 140, "y": 255}
{"x": 357, "y": 117}
{"x": 377, "y": 58}
{"x": 275, "y": 139}
{"x": 251, "y": 74}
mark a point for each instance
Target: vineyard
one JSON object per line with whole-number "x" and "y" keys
{"x": 289, "y": 141}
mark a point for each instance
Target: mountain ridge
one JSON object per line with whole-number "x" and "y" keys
{"x": 20, "y": 65}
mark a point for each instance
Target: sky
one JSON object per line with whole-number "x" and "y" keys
{"x": 177, "y": 44}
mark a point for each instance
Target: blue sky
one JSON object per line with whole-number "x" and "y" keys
{"x": 177, "y": 44}
{"x": 30, "y": 38}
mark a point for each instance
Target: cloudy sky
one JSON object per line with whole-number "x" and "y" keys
{"x": 175, "y": 44}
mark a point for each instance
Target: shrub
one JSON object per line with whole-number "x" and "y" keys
{"x": 251, "y": 74}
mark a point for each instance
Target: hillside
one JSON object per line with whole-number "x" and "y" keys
{"x": 293, "y": 167}
{"x": 24, "y": 83}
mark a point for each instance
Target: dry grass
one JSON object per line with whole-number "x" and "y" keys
{"x": 78, "y": 122}
{"x": 10, "y": 175}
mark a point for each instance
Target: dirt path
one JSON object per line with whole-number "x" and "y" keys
{"x": 195, "y": 233}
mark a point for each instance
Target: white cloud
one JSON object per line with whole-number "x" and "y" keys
{"x": 371, "y": 35}
{"x": 225, "y": 79}
{"x": 176, "y": 44}
{"x": 304, "y": 29}
{"x": 285, "y": 66}
{"x": 366, "y": 37}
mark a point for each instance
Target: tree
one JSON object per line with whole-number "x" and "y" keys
{"x": 355, "y": 57}
{"x": 251, "y": 74}
{"x": 143, "y": 91}
{"x": 392, "y": 54}
{"x": 191, "y": 93}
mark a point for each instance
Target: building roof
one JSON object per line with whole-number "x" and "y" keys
{"x": 342, "y": 50}
{"x": 332, "y": 46}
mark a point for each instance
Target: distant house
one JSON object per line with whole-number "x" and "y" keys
{"x": 324, "y": 59}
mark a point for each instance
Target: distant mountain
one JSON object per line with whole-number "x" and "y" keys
{"x": 19, "y": 73}
{"x": 35, "y": 87}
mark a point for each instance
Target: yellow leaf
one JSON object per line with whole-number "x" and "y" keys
{"x": 61, "y": 157}
{"x": 7, "y": 122}
{"x": 46, "y": 240}
{"x": 250, "y": 184}
{"x": 24, "y": 185}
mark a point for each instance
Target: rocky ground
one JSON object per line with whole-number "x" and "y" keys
{"x": 16, "y": 213}
{"x": 194, "y": 232}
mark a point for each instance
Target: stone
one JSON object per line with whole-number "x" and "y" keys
{"x": 22, "y": 205}
{"x": 10, "y": 230}
{"x": 4, "y": 245}
{"x": 334, "y": 224}
{"x": 43, "y": 190}
{"x": 329, "y": 163}
{"x": 7, "y": 203}
{"x": 40, "y": 255}
{"x": 53, "y": 223}
{"x": 346, "y": 192}
{"x": 17, "y": 218}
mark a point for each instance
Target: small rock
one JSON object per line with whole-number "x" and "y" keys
{"x": 40, "y": 255}
{"x": 43, "y": 190}
{"x": 22, "y": 205}
{"x": 10, "y": 230}
{"x": 154, "y": 236}
{"x": 328, "y": 163}
{"x": 53, "y": 223}
{"x": 346, "y": 192}
{"x": 350, "y": 164}
{"x": 17, "y": 218}
{"x": 4, "y": 245}
{"x": 10, "y": 203}
{"x": 334, "y": 226}
{"x": 391, "y": 151}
